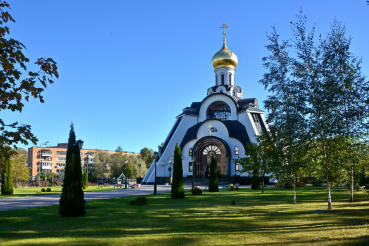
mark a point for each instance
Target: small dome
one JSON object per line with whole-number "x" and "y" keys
{"x": 225, "y": 58}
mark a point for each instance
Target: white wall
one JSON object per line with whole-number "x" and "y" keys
{"x": 162, "y": 170}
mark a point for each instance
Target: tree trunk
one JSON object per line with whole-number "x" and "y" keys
{"x": 294, "y": 190}
{"x": 329, "y": 193}
{"x": 352, "y": 185}
{"x": 262, "y": 185}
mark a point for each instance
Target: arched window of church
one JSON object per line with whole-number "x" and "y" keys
{"x": 234, "y": 93}
{"x": 219, "y": 110}
{"x": 211, "y": 149}
{"x": 230, "y": 78}
{"x": 222, "y": 78}
{"x": 216, "y": 79}
{"x": 236, "y": 150}
{"x": 221, "y": 91}
{"x": 190, "y": 152}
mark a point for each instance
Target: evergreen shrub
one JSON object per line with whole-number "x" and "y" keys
{"x": 233, "y": 188}
{"x": 7, "y": 178}
{"x": 177, "y": 191}
{"x": 141, "y": 200}
{"x": 213, "y": 178}
{"x": 85, "y": 179}
{"x": 196, "y": 191}
{"x": 237, "y": 188}
{"x": 43, "y": 190}
{"x": 255, "y": 185}
{"x": 48, "y": 190}
{"x": 72, "y": 203}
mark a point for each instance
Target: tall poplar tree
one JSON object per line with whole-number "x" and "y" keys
{"x": 213, "y": 175}
{"x": 72, "y": 203}
{"x": 177, "y": 191}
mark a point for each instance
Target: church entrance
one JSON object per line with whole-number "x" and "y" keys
{"x": 204, "y": 149}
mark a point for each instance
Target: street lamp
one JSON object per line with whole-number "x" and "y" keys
{"x": 193, "y": 173}
{"x": 170, "y": 171}
{"x": 39, "y": 173}
{"x": 80, "y": 144}
{"x": 156, "y": 156}
{"x": 139, "y": 170}
{"x": 126, "y": 161}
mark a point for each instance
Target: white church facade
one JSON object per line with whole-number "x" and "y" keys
{"x": 220, "y": 125}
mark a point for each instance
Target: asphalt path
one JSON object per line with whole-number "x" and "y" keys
{"x": 49, "y": 200}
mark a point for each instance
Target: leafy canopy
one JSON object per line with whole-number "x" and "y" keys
{"x": 18, "y": 84}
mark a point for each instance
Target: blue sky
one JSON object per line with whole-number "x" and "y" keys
{"x": 128, "y": 68}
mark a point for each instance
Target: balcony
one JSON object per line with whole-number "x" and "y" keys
{"x": 46, "y": 167}
{"x": 46, "y": 153}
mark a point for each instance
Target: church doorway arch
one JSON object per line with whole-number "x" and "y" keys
{"x": 204, "y": 149}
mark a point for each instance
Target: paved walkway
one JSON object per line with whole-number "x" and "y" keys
{"x": 49, "y": 200}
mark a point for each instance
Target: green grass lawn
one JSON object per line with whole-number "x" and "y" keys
{"x": 209, "y": 219}
{"x": 54, "y": 190}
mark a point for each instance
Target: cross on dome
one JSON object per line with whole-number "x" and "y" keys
{"x": 224, "y": 26}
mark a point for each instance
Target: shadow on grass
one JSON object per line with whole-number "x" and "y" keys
{"x": 194, "y": 220}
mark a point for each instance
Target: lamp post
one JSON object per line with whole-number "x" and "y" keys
{"x": 156, "y": 156}
{"x": 170, "y": 171}
{"x": 139, "y": 170}
{"x": 193, "y": 173}
{"x": 39, "y": 173}
{"x": 80, "y": 144}
{"x": 126, "y": 161}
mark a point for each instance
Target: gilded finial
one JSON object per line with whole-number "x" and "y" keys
{"x": 224, "y": 26}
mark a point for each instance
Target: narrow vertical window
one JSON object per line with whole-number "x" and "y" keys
{"x": 234, "y": 93}
{"x": 222, "y": 78}
{"x": 216, "y": 79}
{"x": 190, "y": 152}
{"x": 230, "y": 78}
{"x": 236, "y": 150}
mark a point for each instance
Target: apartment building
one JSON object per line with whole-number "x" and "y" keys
{"x": 52, "y": 159}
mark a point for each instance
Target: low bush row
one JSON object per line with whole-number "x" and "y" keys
{"x": 196, "y": 191}
{"x": 141, "y": 200}
{"x": 47, "y": 190}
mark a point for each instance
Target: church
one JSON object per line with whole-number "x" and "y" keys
{"x": 220, "y": 125}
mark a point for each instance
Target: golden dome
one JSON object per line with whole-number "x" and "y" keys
{"x": 225, "y": 58}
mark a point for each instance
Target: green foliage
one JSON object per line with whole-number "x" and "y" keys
{"x": 233, "y": 188}
{"x": 7, "y": 178}
{"x": 177, "y": 191}
{"x": 319, "y": 98}
{"x": 213, "y": 175}
{"x": 72, "y": 203}
{"x": 48, "y": 190}
{"x": 19, "y": 161}
{"x": 147, "y": 155}
{"x": 85, "y": 179}
{"x": 43, "y": 190}
{"x": 141, "y": 200}
{"x": 255, "y": 185}
{"x": 196, "y": 191}
{"x": 18, "y": 84}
